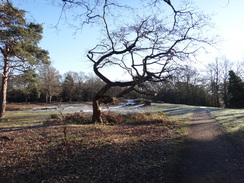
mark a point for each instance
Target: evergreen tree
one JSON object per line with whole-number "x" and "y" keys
{"x": 68, "y": 87}
{"x": 235, "y": 91}
{"x": 18, "y": 46}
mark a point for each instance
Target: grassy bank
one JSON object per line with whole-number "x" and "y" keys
{"x": 142, "y": 147}
{"x": 232, "y": 122}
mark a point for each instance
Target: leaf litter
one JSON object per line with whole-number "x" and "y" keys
{"x": 143, "y": 149}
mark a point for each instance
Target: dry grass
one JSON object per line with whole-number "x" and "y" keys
{"x": 21, "y": 106}
{"x": 143, "y": 149}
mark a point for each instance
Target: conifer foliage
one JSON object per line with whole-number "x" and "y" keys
{"x": 19, "y": 49}
{"x": 235, "y": 91}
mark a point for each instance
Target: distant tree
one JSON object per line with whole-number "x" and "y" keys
{"x": 217, "y": 74}
{"x": 226, "y": 66}
{"x": 50, "y": 82}
{"x": 91, "y": 86}
{"x": 68, "y": 86}
{"x": 176, "y": 93}
{"x": 18, "y": 46}
{"x": 183, "y": 80}
{"x": 235, "y": 91}
{"x": 24, "y": 87}
{"x": 214, "y": 71}
{"x": 79, "y": 79}
{"x": 73, "y": 86}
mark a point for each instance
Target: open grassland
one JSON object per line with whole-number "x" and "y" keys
{"x": 232, "y": 122}
{"x": 130, "y": 147}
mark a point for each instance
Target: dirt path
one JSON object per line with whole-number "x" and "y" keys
{"x": 209, "y": 156}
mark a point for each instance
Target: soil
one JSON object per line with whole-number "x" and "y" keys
{"x": 209, "y": 155}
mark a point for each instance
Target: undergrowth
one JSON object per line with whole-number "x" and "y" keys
{"x": 109, "y": 118}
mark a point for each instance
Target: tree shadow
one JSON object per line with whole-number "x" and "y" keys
{"x": 178, "y": 111}
{"x": 132, "y": 162}
{"x": 210, "y": 156}
{"x": 202, "y": 161}
{"x": 14, "y": 129}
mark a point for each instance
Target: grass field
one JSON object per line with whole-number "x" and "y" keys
{"x": 232, "y": 122}
{"x": 131, "y": 147}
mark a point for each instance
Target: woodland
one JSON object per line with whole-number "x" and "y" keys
{"x": 213, "y": 87}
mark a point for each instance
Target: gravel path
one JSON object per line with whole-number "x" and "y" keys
{"x": 209, "y": 156}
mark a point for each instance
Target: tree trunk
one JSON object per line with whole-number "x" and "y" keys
{"x": 225, "y": 92}
{"x": 96, "y": 116}
{"x": 46, "y": 99}
{"x": 4, "y": 88}
{"x": 50, "y": 99}
{"x": 3, "y": 96}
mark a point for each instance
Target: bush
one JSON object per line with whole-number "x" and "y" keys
{"x": 77, "y": 118}
{"x": 144, "y": 117}
{"x": 112, "y": 118}
{"x": 147, "y": 117}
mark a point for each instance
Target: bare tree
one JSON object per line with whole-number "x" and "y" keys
{"x": 146, "y": 44}
{"x": 73, "y": 86}
{"x": 214, "y": 70}
{"x": 240, "y": 69}
{"x": 217, "y": 75}
{"x": 50, "y": 82}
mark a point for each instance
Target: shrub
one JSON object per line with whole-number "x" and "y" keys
{"x": 112, "y": 118}
{"x": 146, "y": 117}
{"x": 129, "y": 118}
{"x": 77, "y": 118}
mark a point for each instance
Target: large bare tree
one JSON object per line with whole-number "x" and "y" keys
{"x": 144, "y": 43}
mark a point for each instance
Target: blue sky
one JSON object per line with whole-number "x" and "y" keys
{"x": 68, "y": 50}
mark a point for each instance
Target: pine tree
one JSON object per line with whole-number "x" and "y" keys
{"x": 235, "y": 91}
{"x": 18, "y": 46}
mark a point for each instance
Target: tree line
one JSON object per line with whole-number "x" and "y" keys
{"x": 215, "y": 87}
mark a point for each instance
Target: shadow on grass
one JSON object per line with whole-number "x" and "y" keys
{"x": 179, "y": 111}
{"x": 215, "y": 160}
{"x": 14, "y": 129}
{"x": 138, "y": 162}
{"x": 209, "y": 155}
{"x": 134, "y": 162}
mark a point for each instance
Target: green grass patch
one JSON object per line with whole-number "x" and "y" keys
{"x": 232, "y": 122}
{"x": 22, "y": 119}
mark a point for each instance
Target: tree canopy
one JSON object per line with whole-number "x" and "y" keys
{"x": 235, "y": 91}
{"x": 18, "y": 46}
